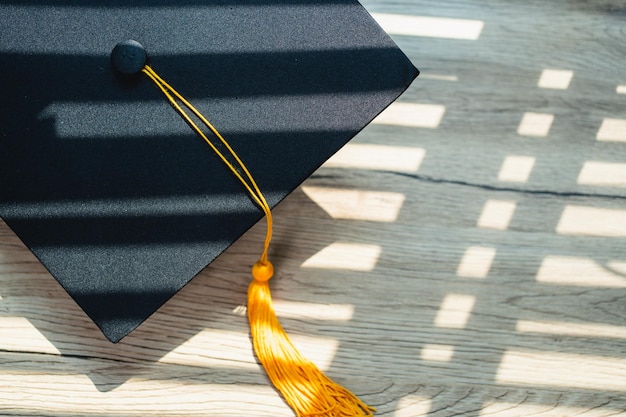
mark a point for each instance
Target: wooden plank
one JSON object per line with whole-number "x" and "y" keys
{"x": 437, "y": 286}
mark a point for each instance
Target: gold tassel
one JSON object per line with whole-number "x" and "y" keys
{"x": 306, "y": 389}
{"x": 303, "y": 386}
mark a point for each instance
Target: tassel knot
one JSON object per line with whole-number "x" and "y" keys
{"x": 263, "y": 270}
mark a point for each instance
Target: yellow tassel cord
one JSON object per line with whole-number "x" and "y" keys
{"x": 304, "y": 387}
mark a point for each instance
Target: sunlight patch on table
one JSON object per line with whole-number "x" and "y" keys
{"x": 434, "y": 27}
{"x": 618, "y": 266}
{"x": 377, "y": 206}
{"x": 326, "y": 312}
{"x": 377, "y": 157}
{"x": 320, "y": 351}
{"x": 476, "y": 262}
{"x": 437, "y": 352}
{"x": 455, "y": 311}
{"x": 516, "y": 168}
{"x": 347, "y": 256}
{"x": 563, "y": 370}
{"x": 555, "y": 79}
{"x": 438, "y": 77}
{"x": 212, "y": 348}
{"x": 535, "y": 124}
{"x": 413, "y": 406}
{"x": 17, "y": 334}
{"x": 584, "y": 272}
{"x": 598, "y": 173}
{"x": 621, "y": 89}
{"x": 592, "y": 221}
{"x": 411, "y": 115}
{"x": 497, "y": 214}
{"x": 572, "y": 329}
{"x": 229, "y": 349}
{"x": 612, "y": 130}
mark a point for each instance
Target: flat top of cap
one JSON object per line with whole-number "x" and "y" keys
{"x": 109, "y": 187}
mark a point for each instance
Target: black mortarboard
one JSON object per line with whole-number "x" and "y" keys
{"x": 108, "y": 186}
{"x": 113, "y": 192}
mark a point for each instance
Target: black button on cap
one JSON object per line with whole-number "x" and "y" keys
{"x": 128, "y": 57}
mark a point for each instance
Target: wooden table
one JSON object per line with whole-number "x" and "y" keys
{"x": 465, "y": 255}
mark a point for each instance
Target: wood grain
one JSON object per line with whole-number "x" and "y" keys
{"x": 532, "y": 324}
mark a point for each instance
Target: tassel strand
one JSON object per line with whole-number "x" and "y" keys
{"x": 304, "y": 387}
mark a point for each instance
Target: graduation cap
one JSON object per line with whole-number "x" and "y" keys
{"x": 121, "y": 201}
